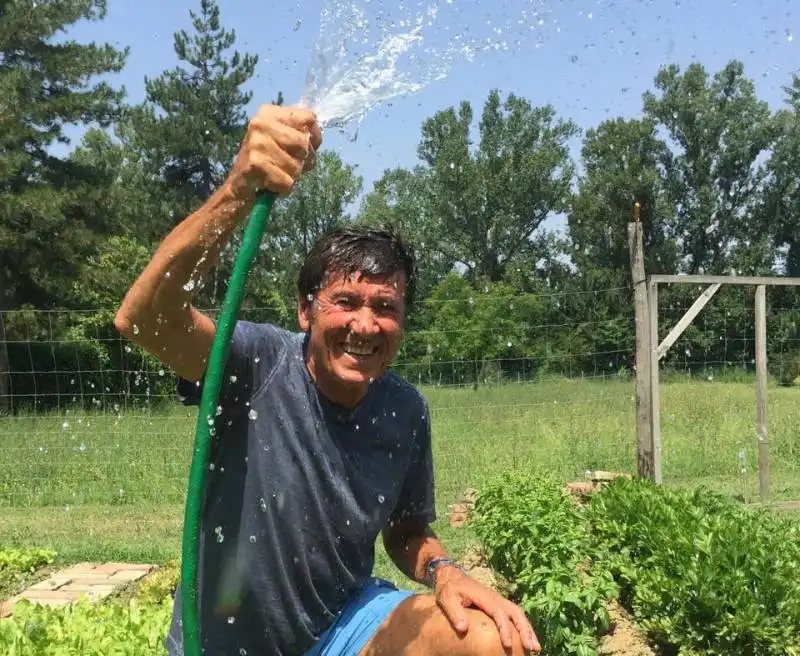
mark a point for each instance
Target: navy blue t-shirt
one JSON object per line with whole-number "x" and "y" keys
{"x": 298, "y": 491}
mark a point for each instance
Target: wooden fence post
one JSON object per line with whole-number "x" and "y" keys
{"x": 761, "y": 391}
{"x": 644, "y": 436}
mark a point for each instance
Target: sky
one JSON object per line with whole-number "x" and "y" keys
{"x": 590, "y": 59}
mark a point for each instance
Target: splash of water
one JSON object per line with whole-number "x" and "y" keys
{"x": 367, "y": 52}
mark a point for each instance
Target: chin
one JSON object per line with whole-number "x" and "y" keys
{"x": 354, "y": 376}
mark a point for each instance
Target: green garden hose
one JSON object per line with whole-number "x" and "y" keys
{"x": 212, "y": 384}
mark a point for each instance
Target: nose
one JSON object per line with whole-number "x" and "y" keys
{"x": 363, "y": 322}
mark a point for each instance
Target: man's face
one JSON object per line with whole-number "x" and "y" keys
{"x": 356, "y": 328}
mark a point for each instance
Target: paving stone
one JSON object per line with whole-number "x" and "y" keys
{"x": 90, "y": 580}
{"x": 53, "y": 583}
{"x": 127, "y": 575}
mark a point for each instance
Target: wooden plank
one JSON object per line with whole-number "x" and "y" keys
{"x": 655, "y": 392}
{"x": 687, "y": 319}
{"x": 779, "y": 281}
{"x": 644, "y": 440}
{"x": 761, "y": 391}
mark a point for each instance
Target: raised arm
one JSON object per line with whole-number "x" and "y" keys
{"x": 157, "y": 312}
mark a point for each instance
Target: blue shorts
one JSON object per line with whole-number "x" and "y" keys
{"x": 350, "y": 633}
{"x": 359, "y": 621}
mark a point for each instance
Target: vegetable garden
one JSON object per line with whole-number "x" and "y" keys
{"x": 699, "y": 574}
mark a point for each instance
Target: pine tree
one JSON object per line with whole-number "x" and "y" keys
{"x": 194, "y": 117}
{"x": 46, "y": 87}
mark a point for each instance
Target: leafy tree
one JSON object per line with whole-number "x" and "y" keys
{"x": 781, "y": 218}
{"x": 623, "y": 162}
{"x": 719, "y": 129}
{"x": 491, "y": 200}
{"x": 401, "y": 200}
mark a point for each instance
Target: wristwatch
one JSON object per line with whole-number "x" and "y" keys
{"x": 434, "y": 564}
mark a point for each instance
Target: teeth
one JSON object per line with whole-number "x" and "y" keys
{"x": 357, "y": 350}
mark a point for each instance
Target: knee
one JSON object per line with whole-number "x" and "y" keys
{"x": 483, "y": 638}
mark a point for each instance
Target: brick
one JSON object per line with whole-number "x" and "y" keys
{"x": 139, "y": 567}
{"x": 53, "y": 583}
{"x": 109, "y": 568}
{"x": 126, "y": 575}
{"x": 98, "y": 588}
{"x": 36, "y": 595}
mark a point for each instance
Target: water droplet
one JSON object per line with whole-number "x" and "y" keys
{"x": 135, "y": 329}
{"x": 262, "y": 504}
{"x": 233, "y": 379}
{"x": 381, "y": 498}
{"x": 219, "y": 410}
{"x": 65, "y": 425}
{"x": 160, "y": 372}
{"x": 252, "y": 539}
{"x": 189, "y": 286}
{"x": 231, "y": 619}
{"x": 253, "y": 415}
{"x": 211, "y": 466}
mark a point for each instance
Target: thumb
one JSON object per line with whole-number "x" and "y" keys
{"x": 453, "y": 609}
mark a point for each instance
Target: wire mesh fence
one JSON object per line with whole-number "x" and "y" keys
{"x": 96, "y": 447}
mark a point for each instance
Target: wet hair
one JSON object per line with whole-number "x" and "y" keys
{"x": 354, "y": 249}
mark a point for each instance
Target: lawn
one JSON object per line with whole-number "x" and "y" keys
{"x": 111, "y": 486}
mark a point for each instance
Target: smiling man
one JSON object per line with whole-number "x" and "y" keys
{"x": 318, "y": 448}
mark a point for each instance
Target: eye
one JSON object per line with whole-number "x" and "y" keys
{"x": 386, "y": 307}
{"x": 346, "y": 303}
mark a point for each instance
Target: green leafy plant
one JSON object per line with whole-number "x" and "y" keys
{"x": 700, "y": 573}
{"x": 25, "y": 560}
{"x": 536, "y": 537}
{"x": 86, "y": 629}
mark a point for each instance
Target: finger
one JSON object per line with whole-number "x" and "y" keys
{"x": 526, "y": 632}
{"x": 311, "y": 161}
{"x": 288, "y": 151}
{"x": 504, "y": 625}
{"x": 316, "y": 135}
{"x": 295, "y": 142}
{"x": 271, "y": 176}
{"x": 454, "y": 611}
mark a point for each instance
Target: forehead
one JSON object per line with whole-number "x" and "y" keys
{"x": 365, "y": 284}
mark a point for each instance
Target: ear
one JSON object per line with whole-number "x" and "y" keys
{"x": 304, "y": 312}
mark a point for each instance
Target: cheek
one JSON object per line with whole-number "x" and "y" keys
{"x": 392, "y": 330}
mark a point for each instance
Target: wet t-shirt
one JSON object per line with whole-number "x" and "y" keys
{"x": 298, "y": 490}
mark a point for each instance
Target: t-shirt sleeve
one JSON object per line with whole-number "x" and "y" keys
{"x": 417, "y": 498}
{"x": 254, "y": 352}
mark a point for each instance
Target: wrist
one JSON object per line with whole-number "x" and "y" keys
{"x": 439, "y": 570}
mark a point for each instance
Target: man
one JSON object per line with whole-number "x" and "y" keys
{"x": 317, "y": 448}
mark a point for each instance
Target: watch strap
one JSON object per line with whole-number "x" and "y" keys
{"x": 434, "y": 564}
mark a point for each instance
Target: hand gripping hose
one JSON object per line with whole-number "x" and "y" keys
{"x": 212, "y": 384}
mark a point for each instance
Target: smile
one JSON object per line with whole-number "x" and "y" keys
{"x": 359, "y": 350}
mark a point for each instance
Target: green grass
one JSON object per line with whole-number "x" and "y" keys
{"x": 108, "y": 486}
